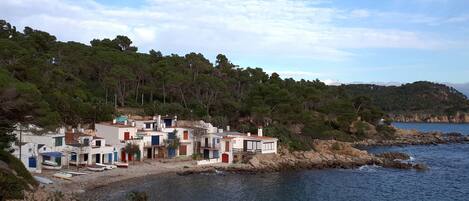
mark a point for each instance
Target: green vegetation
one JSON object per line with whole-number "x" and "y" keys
{"x": 14, "y": 178}
{"x": 418, "y": 97}
{"x": 70, "y": 83}
{"x": 137, "y": 196}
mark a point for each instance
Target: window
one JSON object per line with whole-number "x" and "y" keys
{"x": 269, "y": 146}
{"x": 98, "y": 143}
{"x": 86, "y": 142}
{"x": 126, "y": 136}
{"x": 227, "y": 146}
{"x": 148, "y": 125}
{"x": 58, "y": 141}
{"x": 186, "y": 135}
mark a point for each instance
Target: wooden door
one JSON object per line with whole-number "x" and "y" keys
{"x": 183, "y": 150}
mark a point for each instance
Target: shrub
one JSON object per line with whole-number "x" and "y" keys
{"x": 13, "y": 186}
{"x": 137, "y": 196}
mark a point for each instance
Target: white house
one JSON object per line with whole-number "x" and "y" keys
{"x": 29, "y": 156}
{"x": 118, "y": 134}
{"x": 227, "y": 145}
{"x": 87, "y": 149}
{"x": 40, "y": 146}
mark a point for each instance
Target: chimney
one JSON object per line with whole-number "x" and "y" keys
{"x": 125, "y": 122}
{"x": 259, "y": 132}
{"x": 133, "y": 123}
{"x": 249, "y": 134}
{"x": 114, "y": 121}
{"x": 228, "y": 128}
{"x": 154, "y": 118}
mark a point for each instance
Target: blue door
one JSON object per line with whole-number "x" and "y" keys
{"x": 206, "y": 154}
{"x": 116, "y": 156}
{"x": 155, "y": 140}
{"x": 32, "y": 162}
{"x": 171, "y": 152}
{"x": 215, "y": 154}
{"x": 110, "y": 158}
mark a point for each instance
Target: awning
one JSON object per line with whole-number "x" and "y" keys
{"x": 52, "y": 154}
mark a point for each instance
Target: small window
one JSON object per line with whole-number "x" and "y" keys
{"x": 98, "y": 143}
{"x": 148, "y": 125}
{"x": 86, "y": 142}
{"x": 58, "y": 141}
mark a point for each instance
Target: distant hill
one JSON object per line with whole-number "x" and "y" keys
{"x": 463, "y": 88}
{"x": 418, "y": 97}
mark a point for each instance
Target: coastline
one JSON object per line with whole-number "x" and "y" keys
{"x": 326, "y": 154}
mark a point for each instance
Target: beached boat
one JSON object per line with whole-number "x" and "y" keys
{"x": 107, "y": 166}
{"x": 50, "y": 167}
{"x": 76, "y": 173}
{"x": 63, "y": 175}
{"x": 96, "y": 168}
{"x": 50, "y": 163}
{"x": 43, "y": 180}
{"x": 122, "y": 165}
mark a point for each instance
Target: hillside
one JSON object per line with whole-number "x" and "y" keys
{"x": 414, "y": 98}
{"x": 49, "y": 83}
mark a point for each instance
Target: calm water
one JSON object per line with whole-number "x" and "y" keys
{"x": 447, "y": 179}
{"x": 441, "y": 127}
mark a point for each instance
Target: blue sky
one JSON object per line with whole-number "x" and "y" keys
{"x": 336, "y": 41}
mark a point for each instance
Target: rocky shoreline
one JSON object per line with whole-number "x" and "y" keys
{"x": 336, "y": 154}
{"x": 326, "y": 154}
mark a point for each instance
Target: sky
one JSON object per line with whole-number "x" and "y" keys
{"x": 385, "y": 41}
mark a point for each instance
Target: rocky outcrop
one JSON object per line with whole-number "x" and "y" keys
{"x": 326, "y": 154}
{"x": 459, "y": 117}
{"x": 413, "y": 137}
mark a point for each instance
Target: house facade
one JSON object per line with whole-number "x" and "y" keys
{"x": 120, "y": 133}
{"x": 87, "y": 149}
{"x": 38, "y": 146}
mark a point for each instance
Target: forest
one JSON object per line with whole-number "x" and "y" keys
{"x": 49, "y": 83}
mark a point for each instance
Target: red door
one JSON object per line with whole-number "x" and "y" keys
{"x": 123, "y": 156}
{"x": 182, "y": 150}
{"x": 126, "y": 136}
{"x": 224, "y": 158}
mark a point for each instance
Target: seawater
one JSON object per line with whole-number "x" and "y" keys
{"x": 446, "y": 179}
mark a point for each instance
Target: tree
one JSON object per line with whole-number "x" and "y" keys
{"x": 131, "y": 149}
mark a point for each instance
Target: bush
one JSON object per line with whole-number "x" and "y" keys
{"x": 13, "y": 186}
{"x": 137, "y": 196}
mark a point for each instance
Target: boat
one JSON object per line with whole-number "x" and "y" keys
{"x": 63, "y": 175}
{"x": 96, "y": 168}
{"x": 50, "y": 163}
{"x": 122, "y": 165}
{"x": 50, "y": 167}
{"x": 107, "y": 166}
{"x": 43, "y": 180}
{"x": 76, "y": 173}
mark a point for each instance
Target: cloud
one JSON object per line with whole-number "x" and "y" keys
{"x": 287, "y": 28}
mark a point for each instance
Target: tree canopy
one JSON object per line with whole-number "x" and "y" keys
{"x": 69, "y": 83}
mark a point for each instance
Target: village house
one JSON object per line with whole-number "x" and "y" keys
{"x": 38, "y": 149}
{"x": 227, "y": 146}
{"x": 119, "y": 133}
{"x": 163, "y": 138}
{"x": 88, "y": 149}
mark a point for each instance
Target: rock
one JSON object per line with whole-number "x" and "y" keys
{"x": 420, "y": 166}
{"x": 394, "y": 156}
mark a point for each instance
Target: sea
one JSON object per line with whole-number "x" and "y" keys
{"x": 446, "y": 179}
